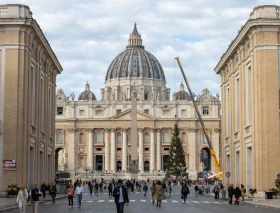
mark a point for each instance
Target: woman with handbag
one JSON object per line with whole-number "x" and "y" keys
{"x": 22, "y": 199}
{"x": 237, "y": 194}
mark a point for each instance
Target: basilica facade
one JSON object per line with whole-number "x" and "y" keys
{"x": 95, "y": 134}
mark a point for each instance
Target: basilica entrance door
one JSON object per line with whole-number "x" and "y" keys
{"x": 99, "y": 162}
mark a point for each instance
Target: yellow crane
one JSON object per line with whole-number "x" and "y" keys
{"x": 212, "y": 151}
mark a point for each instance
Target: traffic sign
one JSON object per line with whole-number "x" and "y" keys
{"x": 227, "y": 174}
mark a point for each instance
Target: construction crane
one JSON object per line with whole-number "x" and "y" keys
{"x": 212, "y": 151}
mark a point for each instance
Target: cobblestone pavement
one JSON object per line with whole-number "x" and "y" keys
{"x": 138, "y": 204}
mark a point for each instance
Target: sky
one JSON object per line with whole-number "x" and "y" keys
{"x": 86, "y": 35}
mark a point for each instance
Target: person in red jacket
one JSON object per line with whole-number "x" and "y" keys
{"x": 70, "y": 195}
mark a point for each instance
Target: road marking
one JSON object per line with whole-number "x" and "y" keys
{"x": 186, "y": 201}
{"x": 132, "y": 200}
{"x": 143, "y": 200}
{"x": 110, "y": 200}
{"x": 195, "y": 201}
{"x": 164, "y": 201}
{"x": 137, "y": 192}
{"x": 205, "y": 202}
{"x": 105, "y": 193}
{"x": 174, "y": 201}
{"x": 100, "y": 201}
{"x": 89, "y": 201}
{"x": 225, "y": 202}
{"x": 217, "y": 202}
{"x": 85, "y": 194}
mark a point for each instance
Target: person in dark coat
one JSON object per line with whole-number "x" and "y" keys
{"x": 121, "y": 196}
{"x": 230, "y": 193}
{"x": 53, "y": 192}
{"x": 110, "y": 189}
{"x": 185, "y": 191}
{"x": 237, "y": 194}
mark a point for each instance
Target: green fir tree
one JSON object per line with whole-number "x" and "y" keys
{"x": 177, "y": 159}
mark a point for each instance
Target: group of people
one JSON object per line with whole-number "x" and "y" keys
{"x": 237, "y": 192}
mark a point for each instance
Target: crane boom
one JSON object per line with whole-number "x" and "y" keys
{"x": 212, "y": 151}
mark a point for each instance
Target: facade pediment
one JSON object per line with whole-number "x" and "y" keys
{"x": 126, "y": 115}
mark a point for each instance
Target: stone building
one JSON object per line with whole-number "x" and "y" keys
{"x": 249, "y": 71}
{"x": 95, "y": 134}
{"x": 28, "y": 69}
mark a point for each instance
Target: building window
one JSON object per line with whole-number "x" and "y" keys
{"x": 146, "y": 137}
{"x": 166, "y": 137}
{"x": 42, "y": 108}
{"x": 59, "y": 138}
{"x": 82, "y": 138}
{"x": 184, "y": 137}
{"x": 99, "y": 137}
{"x": 59, "y": 110}
{"x": 119, "y": 135}
{"x": 166, "y": 149}
{"x": 98, "y": 112}
{"x": 146, "y": 149}
{"x": 237, "y": 107}
{"x": 119, "y": 149}
{"x": 205, "y": 110}
{"x": 98, "y": 149}
{"x": 146, "y": 96}
{"x": 146, "y": 111}
{"x": 82, "y": 112}
{"x": 119, "y": 111}
{"x": 165, "y": 112}
{"x": 183, "y": 112}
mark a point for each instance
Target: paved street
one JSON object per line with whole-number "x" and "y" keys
{"x": 103, "y": 204}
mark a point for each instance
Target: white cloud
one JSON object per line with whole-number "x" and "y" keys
{"x": 86, "y": 36}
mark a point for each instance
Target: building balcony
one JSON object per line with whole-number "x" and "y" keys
{"x": 99, "y": 144}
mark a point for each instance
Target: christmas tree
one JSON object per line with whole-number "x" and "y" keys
{"x": 177, "y": 159}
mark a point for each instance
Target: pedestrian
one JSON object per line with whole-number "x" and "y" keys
{"x": 110, "y": 189}
{"x": 153, "y": 191}
{"x": 145, "y": 189}
{"x": 237, "y": 195}
{"x": 168, "y": 189}
{"x": 35, "y": 195}
{"x": 216, "y": 191}
{"x": 243, "y": 192}
{"x": 132, "y": 186}
{"x": 159, "y": 193}
{"x": 79, "y": 194}
{"x": 128, "y": 186}
{"x": 70, "y": 195}
{"x": 90, "y": 186}
{"x": 196, "y": 190}
{"x": 53, "y": 192}
{"x": 43, "y": 189}
{"x": 185, "y": 191}
{"x": 22, "y": 199}
{"x": 121, "y": 196}
{"x": 137, "y": 186}
{"x": 96, "y": 186}
{"x": 101, "y": 187}
{"x": 230, "y": 193}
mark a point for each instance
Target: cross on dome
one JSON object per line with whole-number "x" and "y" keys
{"x": 135, "y": 38}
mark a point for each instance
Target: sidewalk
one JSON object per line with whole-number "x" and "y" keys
{"x": 10, "y": 203}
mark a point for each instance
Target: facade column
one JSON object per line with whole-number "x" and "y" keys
{"x": 90, "y": 149}
{"x": 113, "y": 150}
{"x": 107, "y": 150}
{"x": 158, "y": 150}
{"x": 124, "y": 160}
{"x": 141, "y": 153}
{"x": 72, "y": 150}
{"x": 152, "y": 151}
{"x": 194, "y": 159}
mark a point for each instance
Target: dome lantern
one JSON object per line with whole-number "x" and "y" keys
{"x": 135, "y": 38}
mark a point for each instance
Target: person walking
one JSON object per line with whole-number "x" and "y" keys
{"x": 128, "y": 186}
{"x": 110, "y": 189}
{"x": 121, "y": 196}
{"x": 196, "y": 190}
{"x": 243, "y": 192}
{"x": 35, "y": 195}
{"x": 70, "y": 195}
{"x": 145, "y": 189}
{"x": 159, "y": 193}
{"x": 79, "y": 194}
{"x": 96, "y": 188}
{"x": 90, "y": 186}
{"x": 168, "y": 189}
{"x": 153, "y": 191}
{"x": 101, "y": 187}
{"x": 230, "y": 193}
{"x": 43, "y": 189}
{"x": 237, "y": 195}
{"x": 22, "y": 199}
{"x": 53, "y": 192}
{"x": 217, "y": 192}
{"x": 185, "y": 191}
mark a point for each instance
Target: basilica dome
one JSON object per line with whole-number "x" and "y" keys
{"x": 87, "y": 94}
{"x": 182, "y": 94}
{"x": 135, "y": 61}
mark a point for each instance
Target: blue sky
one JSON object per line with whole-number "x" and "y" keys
{"x": 86, "y": 35}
